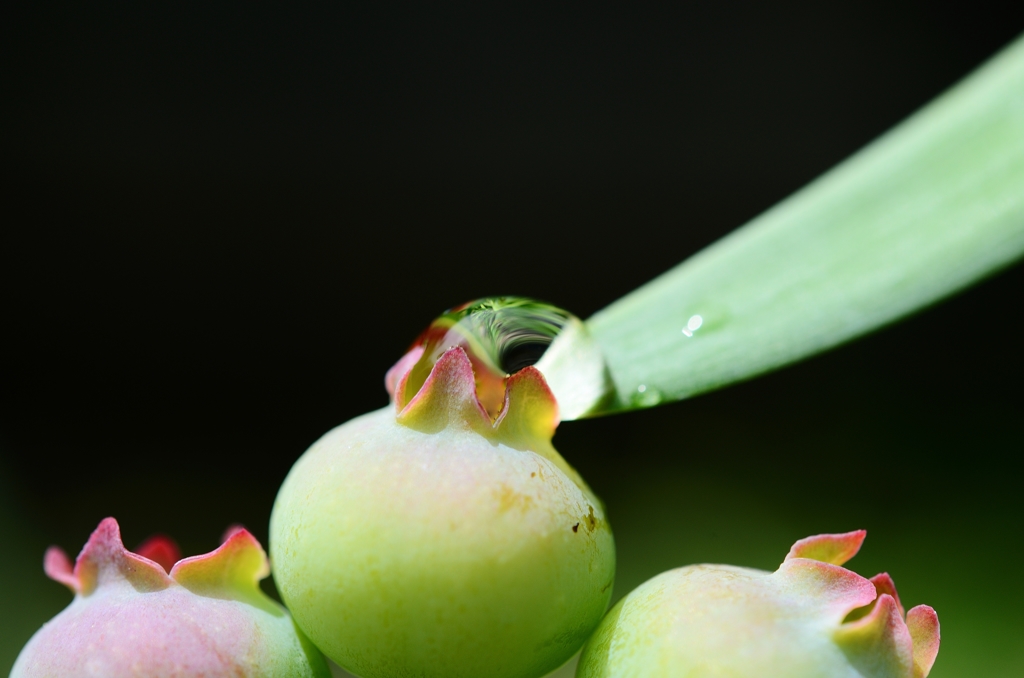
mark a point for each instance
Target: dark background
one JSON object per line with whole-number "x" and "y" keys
{"x": 223, "y": 224}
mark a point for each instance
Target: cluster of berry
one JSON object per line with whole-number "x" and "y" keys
{"x": 444, "y": 536}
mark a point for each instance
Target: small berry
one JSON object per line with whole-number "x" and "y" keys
{"x": 148, "y": 614}
{"x": 811, "y": 618}
{"x": 440, "y": 537}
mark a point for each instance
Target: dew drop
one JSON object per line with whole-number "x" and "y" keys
{"x": 692, "y": 325}
{"x": 646, "y": 396}
{"x": 502, "y": 335}
{"x": 505, "y": 333}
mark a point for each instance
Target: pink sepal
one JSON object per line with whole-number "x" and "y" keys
{"x": 829, "y": 548}
{"x": 233, "y": 570}
{"x": 399, "y": 370}
{"x": 878, "y": 644}
{"x": 57, "y": 567}
{"x": 836, "y": 590}
{"x": 447, "y": 397}
{"x": 923, "y": 625}
{"x": 105, "y": 559}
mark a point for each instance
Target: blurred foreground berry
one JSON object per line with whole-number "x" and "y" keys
{"x": 811, "y": 618}
{"x": 444, "y": 536}
{"x": 150, "y": 614}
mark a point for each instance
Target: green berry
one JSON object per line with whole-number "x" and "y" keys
{"x": 811, "y": 618}
{"x": 437, "y": 537}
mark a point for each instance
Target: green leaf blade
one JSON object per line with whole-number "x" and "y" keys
{"x": 929, "y": 208}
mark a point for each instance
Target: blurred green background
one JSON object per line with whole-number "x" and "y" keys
{"x": 223, "y": 226}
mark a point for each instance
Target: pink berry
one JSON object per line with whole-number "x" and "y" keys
{"x": 150, "y": 614}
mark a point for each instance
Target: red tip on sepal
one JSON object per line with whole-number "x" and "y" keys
{"x": 161, "y": 549}
{"x": 923, "y": 624}
{"x": 447, "y": 398}
{"x": 230, "y": 531}
{"x": 829, "y": 548}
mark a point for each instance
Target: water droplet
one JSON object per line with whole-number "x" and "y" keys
{"x": 502, "y": 335}
{"x": 692, "y": 325}
{"x": 646, "y": 396}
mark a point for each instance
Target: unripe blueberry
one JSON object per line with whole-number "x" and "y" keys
{"x": 811, "y": 618}
{"x": 131, "y": 618}
{"x": 441, "y": 536}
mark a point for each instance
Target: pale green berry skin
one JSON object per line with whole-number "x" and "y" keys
{"x": 707, "y": 621}
{"x": 447, "y": 553}
{"x": 811, "y": 618}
